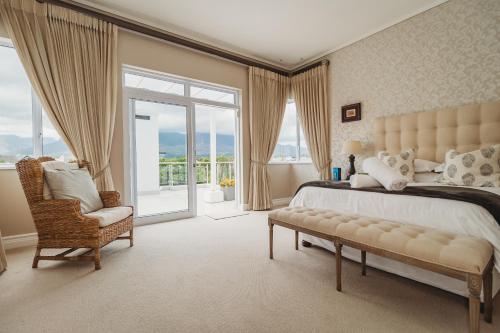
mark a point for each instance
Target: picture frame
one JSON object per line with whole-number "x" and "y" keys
{"x": 351, "y": 112}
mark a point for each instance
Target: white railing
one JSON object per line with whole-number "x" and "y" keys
{"x": 175, "y": 173}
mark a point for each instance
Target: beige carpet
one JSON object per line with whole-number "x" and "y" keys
{"x": 201, "y": 275}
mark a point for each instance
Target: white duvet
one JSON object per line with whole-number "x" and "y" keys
{"x": 450, "y": 215}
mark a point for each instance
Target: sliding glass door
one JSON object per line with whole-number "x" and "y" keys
{"x": 162, "y": 141}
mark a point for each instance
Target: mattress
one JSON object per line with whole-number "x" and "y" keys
{"x": 450, "y": 215}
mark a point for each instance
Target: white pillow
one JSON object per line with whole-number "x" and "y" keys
{"x": 402, "y": 163}
{"x": 425, "y": 165}
{"x": 55, "y": 165}
{"x": 476, "y": 168}
{"x": 74, "y": 184}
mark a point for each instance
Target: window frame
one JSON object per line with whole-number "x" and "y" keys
{"x": 36, "y": 119}
{"x": 298, "y": 159}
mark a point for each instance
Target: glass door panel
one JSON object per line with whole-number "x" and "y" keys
{"x": 215, "y": 159}
{"x": 163, "y": 159}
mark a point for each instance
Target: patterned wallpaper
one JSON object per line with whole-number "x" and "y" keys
{"x": 446, "y": 56}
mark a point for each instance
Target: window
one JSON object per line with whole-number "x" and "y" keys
{"x": 291, "y": 146}
{"x": 24, "y": 129}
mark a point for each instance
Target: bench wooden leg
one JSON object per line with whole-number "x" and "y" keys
{"x": 338, "y": 260}
{"x": 271, "y": 240}
{"x": 296, "y": 240}
{"x": 363, "y": 263}
{"x": 474, "y": 285}
{"x": 487, "y": 294}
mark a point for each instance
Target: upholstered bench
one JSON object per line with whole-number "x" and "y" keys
{"x": 462, "y": 257}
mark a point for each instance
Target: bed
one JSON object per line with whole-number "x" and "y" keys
{"x": 430, "y": 134}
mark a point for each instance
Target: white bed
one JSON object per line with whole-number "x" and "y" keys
{"x": 454, "y": 216}
{"x": 430, "y": 134}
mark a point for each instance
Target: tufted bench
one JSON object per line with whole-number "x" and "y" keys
{"x": 463, "y": 257}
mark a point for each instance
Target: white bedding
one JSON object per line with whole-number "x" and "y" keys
{"x": 450, "y": 215}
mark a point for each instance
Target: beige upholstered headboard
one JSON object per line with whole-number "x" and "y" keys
{"x": 432, "y": 133}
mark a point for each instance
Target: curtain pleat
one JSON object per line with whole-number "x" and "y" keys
{"x": 71, "y": 61}
{"x": 268, "y": 96}
{"x": 3, "y": 258}
{"x": 310, "y": 91}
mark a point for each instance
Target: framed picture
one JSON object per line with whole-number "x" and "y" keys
{"x": 351, "y": 112}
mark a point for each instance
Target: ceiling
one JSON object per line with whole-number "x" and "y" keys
{"x": 287, "y": 33}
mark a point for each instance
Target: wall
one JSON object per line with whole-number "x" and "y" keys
{"x": 446, "y": 56}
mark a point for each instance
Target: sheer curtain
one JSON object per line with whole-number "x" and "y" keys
{"x": 71, "y": 61}
{"x": 268, "y": 96}
{"x": 310, "y": 91}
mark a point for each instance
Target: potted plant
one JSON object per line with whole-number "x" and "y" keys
{"x": 227, "y": 186}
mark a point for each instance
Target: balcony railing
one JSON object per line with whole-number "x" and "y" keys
{"x": 175, "y": 173}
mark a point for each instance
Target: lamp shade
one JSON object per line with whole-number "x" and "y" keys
{"x": 351, "y": 147}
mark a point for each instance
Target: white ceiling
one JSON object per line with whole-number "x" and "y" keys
{"x": 287, "y": 33}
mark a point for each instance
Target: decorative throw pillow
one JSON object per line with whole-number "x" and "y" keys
{"x": 402, "y": 163}
{"x": 55, "y": 165}
{"x": 74, "y": 184}
{"x": 476, "y": 168}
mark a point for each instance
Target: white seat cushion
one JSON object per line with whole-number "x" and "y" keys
{"x": 108, "y": 216}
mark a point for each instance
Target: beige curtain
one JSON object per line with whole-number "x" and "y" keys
{"x": 268, "y": 96}
{"x": 3, "y": 258}
{"x": 70, "y": 59}
{"x": 310, "y": 91}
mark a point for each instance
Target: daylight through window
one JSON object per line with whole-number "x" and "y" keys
{"x": 25, "y": 130}
{"x": 291, "y": 146}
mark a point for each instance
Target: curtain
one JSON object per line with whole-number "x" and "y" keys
{"x": 3, "y": 258}
{"x": 71, "y": 61}
{"x": 268, "y": 96}
{"x": 310, "y": 91}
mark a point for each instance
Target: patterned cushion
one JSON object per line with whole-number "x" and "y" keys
{"x": 402, "y": 163}
{"x": 476, "y": 168}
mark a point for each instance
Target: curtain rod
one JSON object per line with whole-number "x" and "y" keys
{"x": 175, "y": 39}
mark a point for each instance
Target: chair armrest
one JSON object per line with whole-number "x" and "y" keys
{"x": 110, "y": 198}
{"x": 62, "y": 218}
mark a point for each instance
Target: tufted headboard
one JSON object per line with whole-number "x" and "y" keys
{"x": 432, "y": 133}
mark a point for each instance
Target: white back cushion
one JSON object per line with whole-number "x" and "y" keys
{"x": 55, "y": 165}
{"x": 74, "y": 184}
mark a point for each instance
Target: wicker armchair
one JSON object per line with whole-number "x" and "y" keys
{"x": 60, "y": 224}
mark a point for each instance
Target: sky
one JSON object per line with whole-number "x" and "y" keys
{"x": 15, "y": 95}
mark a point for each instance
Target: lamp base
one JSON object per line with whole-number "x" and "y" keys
{"x": 352, "y": 170}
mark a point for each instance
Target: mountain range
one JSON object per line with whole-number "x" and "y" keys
{"x": 172, "y": 144}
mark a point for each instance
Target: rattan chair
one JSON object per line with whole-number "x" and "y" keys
{"x": 60, "y": 224}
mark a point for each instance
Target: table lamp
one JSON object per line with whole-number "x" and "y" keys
{"x": 351, "y": 147}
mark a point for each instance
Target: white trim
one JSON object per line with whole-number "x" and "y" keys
{"x": 244, "y": 207}
{"x": 281, "y": 201}
{"x": 22, "y": 240}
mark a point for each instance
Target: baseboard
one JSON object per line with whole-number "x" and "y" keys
{"x": 16, "y": 241}
{"x": 281, "y": 201}
{"x": 244, "y": 207}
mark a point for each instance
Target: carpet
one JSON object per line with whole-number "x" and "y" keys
{"x": 198, "y": 276}
{"x": 220, "y": 215}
